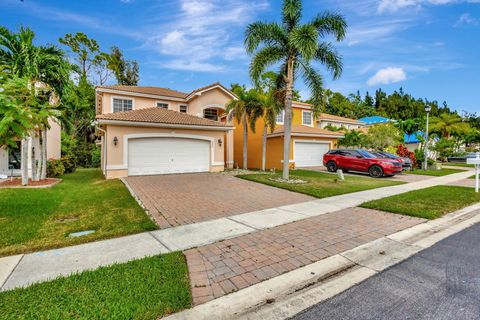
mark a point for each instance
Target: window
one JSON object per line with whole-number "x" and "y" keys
{"x": 122, "y": 105}
{"x": 183, "y": 108}
{"x": 211, "y": 114}
{"x": 279, "y": 118}
{"x": 162, "y": 105}
{"x": 307, "y": 118}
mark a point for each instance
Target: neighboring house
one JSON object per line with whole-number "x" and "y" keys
{"x": 152, "y": 130}
{"x": 330, "y": 120}
{"x": 309, "y": 142}
{"x": 10, "y": 160}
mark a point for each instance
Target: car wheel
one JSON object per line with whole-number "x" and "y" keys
{"x": 375, "y": 171}
{"x": 331, "y": 166}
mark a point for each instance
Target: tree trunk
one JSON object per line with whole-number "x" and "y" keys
{"x": 24, "y": 162}
{"x": 287, "y": 122}
{"x": 245, "y": 141}
{"x": 34, "y": 163}
{"x": 264, "y": 147}
{"x": 44, "y": 155}
{"x": 38, "y": 163}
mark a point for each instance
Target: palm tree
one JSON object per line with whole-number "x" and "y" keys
{"x": 295, "y": 46}
{"x": 447, "y": 124}
{"x": 242, "y": 110}
{"x": 46, "y": 69}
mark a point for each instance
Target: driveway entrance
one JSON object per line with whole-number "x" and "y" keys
{"x": 180, "y": 199}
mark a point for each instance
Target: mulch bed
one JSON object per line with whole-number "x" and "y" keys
{"x": 17, "y": 183}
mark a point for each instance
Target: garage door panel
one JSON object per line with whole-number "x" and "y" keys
{"x": 310, "y": 154}
{"x": 149, "y": 156}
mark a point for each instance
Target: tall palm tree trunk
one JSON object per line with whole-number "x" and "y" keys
{"x": 287, "y": 122}
{"x": 264, "y": 147}
{"x": 44, "y": 155}
{"x": 38, "y": 174}
{"x": 245, "y": 141}
{"x": 24, "y": 161}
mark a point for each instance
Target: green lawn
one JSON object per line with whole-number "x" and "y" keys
{"x": 429, "y": 203}
{"x": 140, "y": 289}
{"x": 321, "y": 184}
{"x": 436, "y": 173}
{"x": 454, "y": 164}
{"x": 34, "y": 219}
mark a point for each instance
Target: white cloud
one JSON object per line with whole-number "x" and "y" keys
{"x": 200, "y": 36}
{"x": 387, "y": 75}
{"x": 466, "y": 18}
{"x": 396, "y": 5}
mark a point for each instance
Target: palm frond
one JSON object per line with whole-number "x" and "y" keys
{"x": 329, "y": 23}
{"x": 330, "y": 58}
{"x": 305, "y": 41}
{"x": 291, "y": 13}
{"x": 269, "y": 34}
{"x": 314, "y": 81}
{"x": 263, "y": 59}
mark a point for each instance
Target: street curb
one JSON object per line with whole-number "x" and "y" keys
{"x": 286, "y": 295}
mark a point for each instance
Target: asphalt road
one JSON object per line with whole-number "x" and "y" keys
{"x": 442, "y": 282}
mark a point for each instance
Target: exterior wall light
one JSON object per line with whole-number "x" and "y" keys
{"x": 219, "y": 142}
{"x": 115, "y": 140}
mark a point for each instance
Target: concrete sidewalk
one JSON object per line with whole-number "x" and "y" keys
{"x": 23, "y": 270}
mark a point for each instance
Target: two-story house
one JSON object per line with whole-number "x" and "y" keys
{"x": 152, "y": 130}
{"x": 309, "y": 140}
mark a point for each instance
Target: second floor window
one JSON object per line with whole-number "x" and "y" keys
{"x": 121, "y": 105}
{"x": 279, "y": 118}
{"x": 183, "y": 109}
{"x": 162, "y": 105}
{"x": 307, "y": 118}
{"x": 211, "y": 114}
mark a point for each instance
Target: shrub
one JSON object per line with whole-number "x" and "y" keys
{"x": 68, "y": 144}
{"x": 55, "y": 168}
{"x": 403, "y": 151}
{"x": 69, "y": 164}
{"x": 96, "y": 156}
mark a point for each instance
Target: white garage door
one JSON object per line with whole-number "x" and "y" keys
{"x": 149, "y": 156}
{"x": 310, "y": 154}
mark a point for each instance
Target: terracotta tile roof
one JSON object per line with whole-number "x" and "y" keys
{"x": 302, "y": 103}
{"x": 148, "y": 90}
{"x": 160, "y": 115}
{"x": 162, "y": 91}
{"x": 299, "y": 129}
{"x": 327, "y": 116}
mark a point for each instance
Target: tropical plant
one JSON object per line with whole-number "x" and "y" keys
{"x": 85, "y": 50}
{"x": 295, "y": 46}
{"x": 125, "y": 71}
{"x": 448, "y": 124}
{"x": 381, "y": 136}
{"x": 352, "y": 138}
{"x": 242, "y": 110}
{"x": 46, "y": 72}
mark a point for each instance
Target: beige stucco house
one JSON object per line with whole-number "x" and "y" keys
{"x": 152, "y": 130}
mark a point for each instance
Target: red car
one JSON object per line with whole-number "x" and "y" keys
{"x": 361, "y": 160}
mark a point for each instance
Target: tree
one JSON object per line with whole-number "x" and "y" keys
{"x": 352, "y": 138}
{"x": 381, "y": 136}
{"x": 241, "y": 110}
{"x": 46, "y": 70}
{"x": 410, "y": 126}
{"x": 448, "y": 124}
{"x": 125, "y": 71}
{"x": 85, "y": 49}
{"x": 295, "y": 46}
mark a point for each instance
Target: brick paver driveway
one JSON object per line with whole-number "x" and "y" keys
{"x": 179, "y": 199}
{"x": 224, "y": 267}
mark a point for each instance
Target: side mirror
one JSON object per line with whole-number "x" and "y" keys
{"x": 360, "y": 157}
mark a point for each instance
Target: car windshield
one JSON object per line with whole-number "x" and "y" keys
{"x": 366, "y": 154}
{"x": 390, "y": 155}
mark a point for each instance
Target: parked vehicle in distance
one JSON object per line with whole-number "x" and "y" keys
{"x": 362, "y": 161}
{"x": 462, "y": 159}
{"x": 406, "y": 162}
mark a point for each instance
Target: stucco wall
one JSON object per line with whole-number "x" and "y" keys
{"x": 138, "y": 102}
{"x": 54, "y": 143}
{"x": 214, "y": 98}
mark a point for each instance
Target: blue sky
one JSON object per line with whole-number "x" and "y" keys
{"x": 429, "y": 47}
